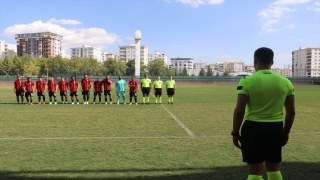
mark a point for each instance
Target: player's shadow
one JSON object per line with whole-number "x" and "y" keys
{"x": 290, "y": 170}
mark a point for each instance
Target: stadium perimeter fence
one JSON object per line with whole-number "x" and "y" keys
{"x": 182, "y": 79}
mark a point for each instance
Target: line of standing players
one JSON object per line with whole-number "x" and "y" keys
{"x": 26, "y": 88}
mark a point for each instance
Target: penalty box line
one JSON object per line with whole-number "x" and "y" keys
{"x": 177, "y": 120}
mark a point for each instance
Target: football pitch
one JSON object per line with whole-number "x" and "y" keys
{"x": 188, "y": 140}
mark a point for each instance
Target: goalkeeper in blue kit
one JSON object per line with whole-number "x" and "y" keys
{"x": 121, "y": 89}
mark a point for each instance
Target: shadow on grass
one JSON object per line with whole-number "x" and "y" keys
{"x": 290, "y": 171}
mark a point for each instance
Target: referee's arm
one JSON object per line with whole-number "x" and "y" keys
{"x": 238, "y": 115}
{"x": 289, "y": 119}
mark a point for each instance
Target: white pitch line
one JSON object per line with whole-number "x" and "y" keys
{"x": 179, "y": 122}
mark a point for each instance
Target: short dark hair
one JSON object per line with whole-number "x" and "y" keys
{"x": 264, "y": 55}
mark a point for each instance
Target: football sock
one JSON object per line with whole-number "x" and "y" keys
{"x": 118, "y": 99}
{"x": 160, "y": 99}
{"x": 44, "y": 99}
{"x": 99, "y": 98}
{"x": 61, "y": 98}
{"x": 135, "y": 99}
{"x": 274, "y": 175}
{"x": 148, "y": 99}
{"x": 105, "y": 99}
{"x": 254, "y": 177}
{"x": 169, "y": 99}
{"x": 94, "y": 98}
{"x": 156, "y": 99}
{"x": 124, "y": 97}
{"x": 55, "y": 100}
{"x": 88, "y": 98}
{"x": 39, "y": 98}
{"x": 30, "y": 99}
{"x": 130, "y": 99}
{"x": 27, "y": 98}
{"x": 66, "y": 99}
{"x": 84, "y": 98}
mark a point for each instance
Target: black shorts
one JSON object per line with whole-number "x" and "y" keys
{"x": 158, "y": 91}
{"x": 52, "y": 94}
{"x": 107, "y": 92}
{"x": 29, "y": 94}
{"x": 261, "y": 141}
{"x": 133, "y": 94}
{"x": 97, "y": 93}
{"x": 73, "y": 93}
{"x": 63, "y": 93}
{"x": 85, "y": 92}
{"x": 170, "y": 91}
{"x": 146, "y": 90}
{"x": 19, "y": 93}
{"x": 40, "y": 94}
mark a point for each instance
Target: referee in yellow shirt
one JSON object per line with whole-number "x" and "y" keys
{"x": 157, "y": 86}
{"x": 145, "y": 87}
{"x": 171, "y": 89}
{"x": 261, "y": 98}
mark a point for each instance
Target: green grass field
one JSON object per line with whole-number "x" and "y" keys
{"x": 65, "y": 142}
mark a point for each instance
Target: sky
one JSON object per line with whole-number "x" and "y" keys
{"x": 205, "y": 30}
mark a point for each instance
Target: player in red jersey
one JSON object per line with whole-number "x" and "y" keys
{"x": 97, "y": 90}
{"x": 41, "y": 88}
{"x": 134, "y": 87}
{"x": 73, "y": 86}
{"x": 52, "y": 88}
{"x": 29, "y": 86}
{"x": 18, "y": 88}
{"x": 85, "y": 88}
{"x": 106, "y": 84}
{"x": 63, "y": 89}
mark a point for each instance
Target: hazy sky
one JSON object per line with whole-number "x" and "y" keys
{"x": 206, "y": 30}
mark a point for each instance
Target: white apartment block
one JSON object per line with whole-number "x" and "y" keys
{"x": 158, "y": 55}
{"x": 65, "y": 54}
{"x": 286, "y": 72}
{"x": 40, "y": 44}
{"x": 248, "y": 68}
{"x": 234, "y": 66}
{"x": 197, "y": 66}
{"x": 306, "y": 62}
{"x": 106, "y": 56}
{"x": 7, "y": 50}
{"x": 87, "y": 52}
{"x": 181, "y": 63}
{"x": 127, "y": 53}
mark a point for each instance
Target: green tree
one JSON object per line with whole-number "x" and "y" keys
{"x": 114, "y": 67}
{"x": 184, "y": 72}
{"x": 226, "y": 73}
{"x": 7, "y": 66}
{"x": 30, "y": 68}
{"x": 157, "y": 67}
{"x": 217, "y": 74}
{"x": 209, "y": 71}
{"x": 131, "y": 68}
{"x": 17, "y": 64}
{"x": 202, "y": 72}
{"x": 170, "y": 72}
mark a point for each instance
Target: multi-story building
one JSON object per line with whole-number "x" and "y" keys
{"x": 127, "y": 53}
{"x": 87, "y": 52}
{"x": 106, "y": 56}
{"x": 306, "y": 62}
{"x": 65, "y": 54}
{"x": 41, "y": 44}
{"x": 181, "y": 63}
{"x": 234, "y": 66}
{"x": 7, "y": 50}
{"x": 158, "y": 55}
{"x": 248, "y": 68}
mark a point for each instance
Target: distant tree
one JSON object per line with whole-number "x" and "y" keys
{"x": 184, "y": 72}
{"x": 7, "y": 66}
{"x": 131, "y": 68}
{"x": 209, "y": 71}
{"x": 226, "y": 73}
{"x": 157, "y": 67}
{"x": 202, "y": 72}
{"x": 169, "y": 72}
{"x": 30, "y": 68}
{"x": 217, "y": 74}
{"x": 114, "y": 67}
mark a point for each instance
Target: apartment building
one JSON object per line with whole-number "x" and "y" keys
{"x": 127, "y": 53}
{"x": 7, "y": 50}
{"x": 106, "y": 56}
{"x": 40, "y": 44}
{"x": 234, "y": 66}
{"x": 306, "y": 62}
{"x": 87, "y": 52}
{"x": 158, "y": 55}
{"x": 248, "y": 68}
{"x": 65, "y": 54}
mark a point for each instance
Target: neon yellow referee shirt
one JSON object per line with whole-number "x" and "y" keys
{"x": 170, "y": 84}
{"x": 145, "y": 82}
{"x": 267, "y": 92}
{"x": 157, "y": 84}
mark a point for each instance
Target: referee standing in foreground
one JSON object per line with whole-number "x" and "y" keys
{"x": 261, "y": 98}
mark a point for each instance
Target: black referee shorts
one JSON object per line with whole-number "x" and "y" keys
{"x": 261, "y": 141}
{"x": 170, "y": 91}
{"x": 146, "y": 90}
{"x": 158, "y": 91}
